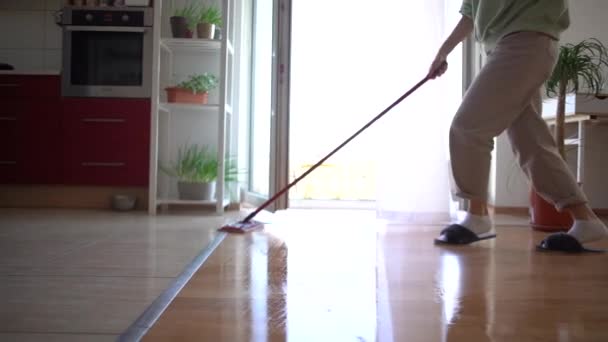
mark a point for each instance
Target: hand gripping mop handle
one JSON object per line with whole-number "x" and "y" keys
{"x": 285, "y": 189}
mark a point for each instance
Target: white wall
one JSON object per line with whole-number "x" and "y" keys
{"x": 588, "y": 19}
{"x": 511, "y": 185}
{"x": 29, "y": 37}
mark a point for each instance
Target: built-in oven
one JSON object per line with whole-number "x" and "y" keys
{"x": 107, "y": 52}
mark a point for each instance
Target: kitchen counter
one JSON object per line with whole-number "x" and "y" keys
{"x": 31, "y": 72}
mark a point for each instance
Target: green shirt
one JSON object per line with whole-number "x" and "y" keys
{"x": 496, "y": 18}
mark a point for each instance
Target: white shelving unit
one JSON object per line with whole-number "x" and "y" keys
{"x": 216, "y": 56}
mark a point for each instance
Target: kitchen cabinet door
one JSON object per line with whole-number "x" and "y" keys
{"x": 40, "y": 152}
{"x": 9, "y": 119}
{"x": 106, "y": 142}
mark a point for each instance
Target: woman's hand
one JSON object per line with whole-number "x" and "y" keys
{"x": 460, "y": 32}
{"x": 439, "y": 66}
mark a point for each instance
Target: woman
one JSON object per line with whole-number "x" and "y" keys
{"x": 520, "y": 38}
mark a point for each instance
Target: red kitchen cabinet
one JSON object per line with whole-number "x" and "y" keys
{"x": 46, "y": 139}
{"x": 106, "y": 141}
{"x": 30, "y": 123}
{"x": 9, "y": 118}
{"x": 30, "y": 86}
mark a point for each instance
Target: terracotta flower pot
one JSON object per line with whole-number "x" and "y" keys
{"x": 544, "y": 216}
{"x": 180, "y": 95}
{"x": 205, "y": 31}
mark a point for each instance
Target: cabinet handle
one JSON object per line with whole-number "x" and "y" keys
{"x": 8, "y": 162}
{"x": 8, "y": 118}
{"x": 9, "y": 85}
{"x": 107, "y": 29}
{"x": 104, "y": 120}
{"x": 88, "y": 164}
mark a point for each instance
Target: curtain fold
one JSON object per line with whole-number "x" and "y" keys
{"x": 414, "y": 177}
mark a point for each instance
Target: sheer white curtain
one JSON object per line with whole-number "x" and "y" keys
{"x": 414, "y": 178}
{"x": 350, "y": 60}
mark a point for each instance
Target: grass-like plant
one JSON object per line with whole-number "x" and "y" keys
{"x": 210, "y": 15}
{"x": 190, "y": 11}
{"x": 198, "y": 164}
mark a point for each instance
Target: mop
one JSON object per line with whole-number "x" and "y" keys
{"x": 248, "y": 224}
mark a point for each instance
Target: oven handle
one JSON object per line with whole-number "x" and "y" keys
{"x": 107, "y": 29}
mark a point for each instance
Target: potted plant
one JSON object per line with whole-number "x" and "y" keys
{"x": 196, "y": 172}
{"x": 183, "y": 21}
{"x": 579, "y": 68}
{"x": 209, "y": 17}
{"x": 193, "y": 90}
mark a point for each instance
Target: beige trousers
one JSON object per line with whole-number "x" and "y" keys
{"x": 506, "y": 95}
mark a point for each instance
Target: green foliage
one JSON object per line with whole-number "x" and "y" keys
{"x": 209, "y": 15}
{"x": 579, "y": 66}
{"x": 197, "y": 164}
{"x": 200, "y": 83}
{"x": 190, "y": 12}
{"x": 579, "y": 69}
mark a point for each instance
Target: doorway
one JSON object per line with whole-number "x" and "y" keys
{"x": 346, "y": 67}
{"x": 337, "y": 75}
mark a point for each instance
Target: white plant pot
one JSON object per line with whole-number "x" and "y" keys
{"x": 205, "y": 31}
{"x": 196, "y": 191}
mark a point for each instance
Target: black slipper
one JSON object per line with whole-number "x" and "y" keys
{"x": 562, "y": 242}
{"x": 456, "y": 234}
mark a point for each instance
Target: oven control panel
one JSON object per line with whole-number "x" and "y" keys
{"x": 107, "y": 17}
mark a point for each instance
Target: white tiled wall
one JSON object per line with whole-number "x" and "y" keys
{"x": 29, "y": 37}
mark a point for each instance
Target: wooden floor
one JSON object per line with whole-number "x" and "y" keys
{"x": 321, "y": 278}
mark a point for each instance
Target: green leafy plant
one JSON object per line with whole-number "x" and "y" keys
{"x": 209, "y": 15}
{"x": 579, "y": 68}
{"x": 190, "y": 11}
{"x": 197, "y": 164}
{"x": 200, "y": 83}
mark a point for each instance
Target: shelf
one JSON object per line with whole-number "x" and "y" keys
{"x": 189, "y": 202}
{"x": 168, "y": 107}
{"x": 191, "y": 44}
{"x": 571, "y": 142}
{"x": 569, "y": 118}
{"x": 176, "y": 56}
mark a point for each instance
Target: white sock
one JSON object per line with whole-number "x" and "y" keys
{"x": 476, "y": 224}
{"x": 588, "y": 230}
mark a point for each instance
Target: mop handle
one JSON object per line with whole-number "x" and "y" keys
{"x": 285, "y": 189}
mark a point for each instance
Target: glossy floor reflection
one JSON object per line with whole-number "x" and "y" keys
{"x": 342, "y": 277}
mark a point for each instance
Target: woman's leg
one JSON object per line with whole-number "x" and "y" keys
{"x": 514, "y": 72}
{"x": 551, "y": 177}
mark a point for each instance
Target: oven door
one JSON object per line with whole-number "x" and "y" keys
{"x": 106, "y": 61}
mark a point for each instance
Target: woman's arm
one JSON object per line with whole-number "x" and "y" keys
{"x": 460, "y": 32}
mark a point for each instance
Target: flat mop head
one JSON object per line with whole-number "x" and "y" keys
{"x": 242, "y": 227}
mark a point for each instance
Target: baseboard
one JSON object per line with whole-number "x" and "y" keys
{"x": 518, "y": 211}
{"x": 73, "y": 197}
{"x": 523, "y": 211}
{"x": 601, "y": 212}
